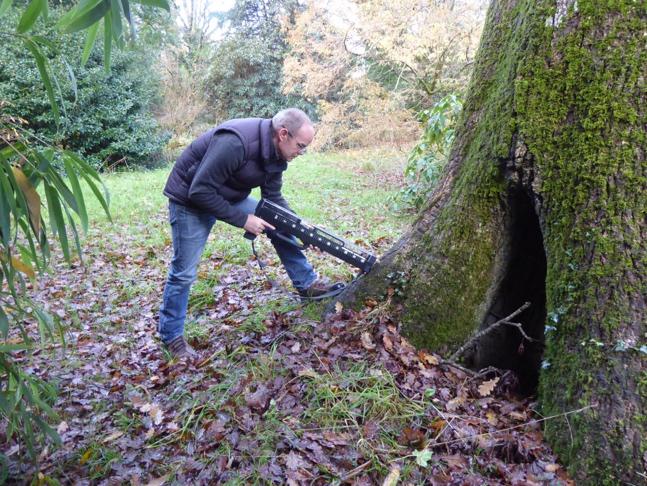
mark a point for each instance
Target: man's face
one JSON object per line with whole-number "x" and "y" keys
{"x": 290, "y": 145}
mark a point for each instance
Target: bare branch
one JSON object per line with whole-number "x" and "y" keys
{"x": 505, "y": 321}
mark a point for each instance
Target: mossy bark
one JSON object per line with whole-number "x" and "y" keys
{"x": 543, "y": 200}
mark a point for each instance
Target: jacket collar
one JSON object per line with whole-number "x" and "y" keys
{"x": 270, "y": 156}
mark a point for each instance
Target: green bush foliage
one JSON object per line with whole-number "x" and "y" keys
{"x": 105, "y": 116}
{"x": 429, "y": 156}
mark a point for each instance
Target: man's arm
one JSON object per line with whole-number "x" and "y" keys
{"x": 222, "y": 158}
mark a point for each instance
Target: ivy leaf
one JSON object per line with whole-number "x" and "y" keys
{"x": 423, "y": 457}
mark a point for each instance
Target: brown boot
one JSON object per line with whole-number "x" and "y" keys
{"x": 180, "y": 349}
{"x": 321, "y": 290}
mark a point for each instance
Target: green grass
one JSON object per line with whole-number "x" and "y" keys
{"x": 322, "y": 188}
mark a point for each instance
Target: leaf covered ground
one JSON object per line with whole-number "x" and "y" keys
{"x": 278, "y": 395}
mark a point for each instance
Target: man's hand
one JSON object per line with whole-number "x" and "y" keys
{"x": 256, "y": 225}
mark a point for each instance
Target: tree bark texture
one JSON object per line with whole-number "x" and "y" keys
{"x": 543, "y": 200}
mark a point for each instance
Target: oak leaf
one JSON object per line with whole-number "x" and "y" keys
{"x": 487, "y": 387}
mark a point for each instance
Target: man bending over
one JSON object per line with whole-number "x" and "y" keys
{"x": 212, "y": 180}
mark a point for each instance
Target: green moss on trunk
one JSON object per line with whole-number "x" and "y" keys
{"x": 580, "y": 101}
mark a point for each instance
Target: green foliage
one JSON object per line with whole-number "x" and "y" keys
{"x": 428, "y": 158}
{"x": 246, "y": 74}
{"x": 28, "y": 163}
{"x": 24, "y": 248}
{"x": 87, "y": 116}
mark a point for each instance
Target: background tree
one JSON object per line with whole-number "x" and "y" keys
{"x": 246, "y": 73}
{"x": 543, "y": 202}
{"x": 372, "y": 66}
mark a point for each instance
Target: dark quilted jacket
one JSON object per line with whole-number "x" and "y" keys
{"x": 208, "y": 176}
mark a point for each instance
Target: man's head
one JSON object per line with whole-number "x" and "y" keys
{"x": 293, "y": 132}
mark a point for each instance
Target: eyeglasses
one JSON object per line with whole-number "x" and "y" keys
{"x": 301, "y": 146}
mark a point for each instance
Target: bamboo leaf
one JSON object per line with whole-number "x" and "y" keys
{"x": 4, "y": 6}
{"x": 154, "y": 3}
{"x": 8, "y": 348}
{"x": 72, "y": 78}
{"x": 23, "y": 267}
{"x": 75, "y": 233}
{"x": 88, "y": 17}
{"x": 43, "y": 68}
{"x": 78, "y": 193}
{"x": 89, "y": 173}
{"x": 31, "y": 196}
{"x": 83, "y": 7}
{"x": 29, "y": 17}
{"x": 4, "y": 323}
{"x": 56, "y": 219}
{"x": 125, "y": 5}
{"x": 107, "y": 41}
{"x": 68, "y": 196}
{"x": 5, "y": 211}
{"x": 89, "y": 43}
{"x": 117, "y": 30}
{"x": 97, "y": 193}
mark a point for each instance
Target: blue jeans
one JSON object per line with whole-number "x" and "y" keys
{"x": 190, "y": 230}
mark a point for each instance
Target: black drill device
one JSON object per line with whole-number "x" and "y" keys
{"x": 288, "y": 223}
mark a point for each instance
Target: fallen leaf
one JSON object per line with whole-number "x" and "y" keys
{"x": 158, "y": 481}
{"x": 551, "y": 467}
{"x": 393, "y": 477}
{"x": 367, "y": 341}
{"x": 438, "y": 425}
{"x": 296, "y": 347}
{"x": 156, "y": 414}
{"x": 423, "y": 457}
{"x": 518, "y": 415}
{"x": 111, "y": 437}
{"x": 487, "y": 387}
{"x": 294, "y": 461}
{"x": 454, "y": 403}
{"x": 413, "y": 438}
{"x": 62, "y": 427}
{"x": 310, "y": 373}
{"x": 339, "y": 307}
{"x": 428, "y": 359}
{"x": 86, "y": 456}
{"x": 491, "y": 417}
{"x": 258, "y": 400}
{"x": 388, "y": 343}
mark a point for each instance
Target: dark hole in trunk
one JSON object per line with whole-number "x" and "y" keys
{"x": 521, "y": 278}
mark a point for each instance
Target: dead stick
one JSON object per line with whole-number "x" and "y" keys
{"x": 354, "y": 472}
{"x": 486, "y": 434}
{"x": 480, "y": 334}
{"x": 525, "y": 424}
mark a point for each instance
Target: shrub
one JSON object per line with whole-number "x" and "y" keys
{"x": 429, "y": 156}
{"x": 105, "y": 116}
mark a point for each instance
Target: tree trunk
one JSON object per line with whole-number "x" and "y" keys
{"x": 543, "y": 200}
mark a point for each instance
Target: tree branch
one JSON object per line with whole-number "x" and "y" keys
{"x": 505, "y": 321}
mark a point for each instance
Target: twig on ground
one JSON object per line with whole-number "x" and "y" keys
{"x": 505, "y": 321}
{"x": 354, "y": 472}
{"x": 525, "y": 424}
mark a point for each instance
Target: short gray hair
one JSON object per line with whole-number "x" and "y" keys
{"x": 290, "y": 118}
